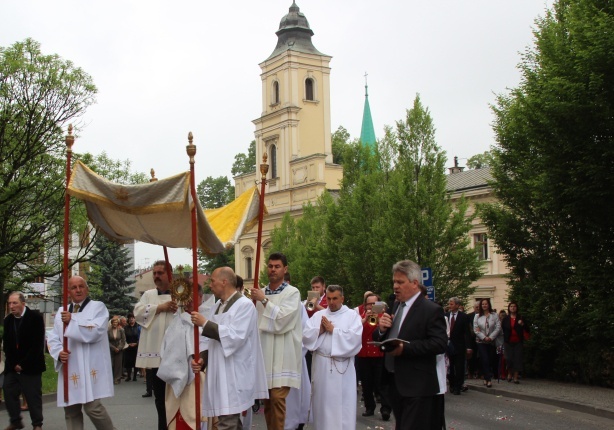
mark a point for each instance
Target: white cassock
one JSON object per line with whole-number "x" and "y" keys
{"x": 299, "y": 399}
{"x": 235, "y": 369}
{"x": 89, "y": 365}
{"x": 153, "y": 327}
{"x": 332, "y": 372}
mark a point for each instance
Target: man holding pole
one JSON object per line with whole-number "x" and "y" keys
{"x": 279, "y": 322}
{"x": 154, "y": 313}
{"x": 87, "y": 359}
{"x": 235, "y": 368}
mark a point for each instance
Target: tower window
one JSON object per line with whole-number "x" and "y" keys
{"x": 275, "y": 92}
{"x": 273, "y": 161}
{"x": 309, "y": 89}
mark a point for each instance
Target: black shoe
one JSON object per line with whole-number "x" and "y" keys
{"x": 147, "y": 395}
{"x": 134, "y": 379}
{"x": 464, "y": 388}
{"x": 456, "y": 392}
{"x": 368, "y": 413}
{"x": 385, "y": 415}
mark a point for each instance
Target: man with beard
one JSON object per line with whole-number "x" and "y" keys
{"x": 154, "y": 312}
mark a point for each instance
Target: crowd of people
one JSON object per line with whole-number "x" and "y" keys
{"x": 302, "y": 359}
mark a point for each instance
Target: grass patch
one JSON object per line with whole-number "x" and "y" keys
{"x": 50, "y": 376}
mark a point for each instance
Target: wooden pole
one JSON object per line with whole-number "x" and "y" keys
{"x": 264, "y": 169}
{"x": 70, "y": 140}
{"x": 191, "y": 151}
{"x": 167, "y": 263}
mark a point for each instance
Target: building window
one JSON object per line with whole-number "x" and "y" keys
{"x": 309, "y": 89}
{"x": 273, "y": 161}
{"x": 275, "y": 92}
{"x": 248, "y": 268}
{"x": 480, "y": 243}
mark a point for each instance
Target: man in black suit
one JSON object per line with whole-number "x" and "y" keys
{"x": 460, "y": 341}
{"x": 411, "y": 365}
{"x": 24, "y": 347}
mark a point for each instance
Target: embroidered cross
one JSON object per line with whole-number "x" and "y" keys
{"x": 93, "y": 372}
{"x": 74, "y": 378}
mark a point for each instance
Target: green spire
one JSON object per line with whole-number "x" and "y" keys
{"x": 367, "y": 132}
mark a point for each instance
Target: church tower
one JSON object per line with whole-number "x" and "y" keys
{"x": 294, "y": 130}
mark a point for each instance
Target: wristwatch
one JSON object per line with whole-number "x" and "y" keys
{"x": 264, "y": 301}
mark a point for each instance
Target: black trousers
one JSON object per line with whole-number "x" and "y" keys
{"x": 370, "y": 369}
{"x": 158, "y": 386}
{"x": 457, "y": 370}
{"x": 31, "y": 388}
{"x": 414, "y": 413}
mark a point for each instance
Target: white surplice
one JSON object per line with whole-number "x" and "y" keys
{"x": 235, "y": 370}
{"x": 332, "y": 372}
{"x": 281, "y": 334}
{"x": 89, "y": 365}
{"x": 152, "y": 327}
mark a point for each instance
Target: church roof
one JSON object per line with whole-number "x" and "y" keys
{"x": 294, "y": 34}
{"x": 469, "y": 180}
{"x": 367, "y": 131}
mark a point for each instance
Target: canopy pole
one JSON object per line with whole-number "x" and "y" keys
{"x": 69, "y": 140}
{"x": 264, "y": 169}
{"x": 167, "y": 263}
{"x": 169, "y": 270}
{"x": 191, "y": 151}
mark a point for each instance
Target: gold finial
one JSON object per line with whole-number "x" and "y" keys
{"x": 152, "y": 172}
{"x": 70, "y": 139}
{"x": 264, "y": 167}
{"x": 191, "y": 148}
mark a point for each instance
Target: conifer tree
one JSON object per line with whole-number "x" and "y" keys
{"x": 110, "y": 280}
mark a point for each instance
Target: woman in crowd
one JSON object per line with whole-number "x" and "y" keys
{"x": 132, "y": 331}
{"x": 487, "y": 327}
{"x": 515, "y": 330}
{"x": 117, "y": 341}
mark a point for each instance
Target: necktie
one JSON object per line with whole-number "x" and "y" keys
{"x": 75, "y": 309}
{"x": 394, "y": 332}
{"x": 452, "y": 322}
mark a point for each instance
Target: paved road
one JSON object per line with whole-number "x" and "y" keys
{"x": 471, "y": 411}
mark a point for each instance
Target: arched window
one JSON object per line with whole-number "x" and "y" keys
{"x": 309, "y": 89}
{"x": 275, "y": 92}
{"x": 273, "y": 161}
{"x": 248, "y": 268}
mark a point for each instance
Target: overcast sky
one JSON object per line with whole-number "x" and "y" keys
{"x": 164, "y": 68}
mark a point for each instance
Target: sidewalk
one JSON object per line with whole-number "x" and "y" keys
{"x": 581, "y": 398}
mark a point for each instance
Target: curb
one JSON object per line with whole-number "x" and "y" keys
{"x": 577, "y": 407}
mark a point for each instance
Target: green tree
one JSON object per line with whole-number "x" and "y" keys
{"x": 245, "y": 163}
{"x": 215, "y": 193}
{"x": 392, "y": 205}
{"x": 554, "y": 173}
{"x": 39, "y": 95}
{"x": 480, "y": 161}
{"x": 109, "y": 280}
{"x": 308, "y": 244}
{"x": 395, "y": 205}
{"x": 340, "y": 141}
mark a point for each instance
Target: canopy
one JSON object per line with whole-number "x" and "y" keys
{"x": 159, "y": 212}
